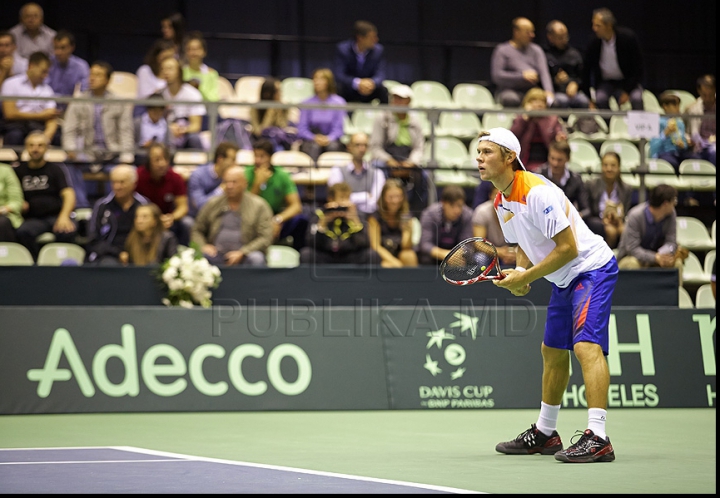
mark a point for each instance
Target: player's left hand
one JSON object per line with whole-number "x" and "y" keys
{"x": 514, "y": 281}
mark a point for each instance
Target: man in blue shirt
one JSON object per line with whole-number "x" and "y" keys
{"x": 67, "y": 71}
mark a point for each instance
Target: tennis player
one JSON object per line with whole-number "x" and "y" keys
{"x": 554, "y": 243}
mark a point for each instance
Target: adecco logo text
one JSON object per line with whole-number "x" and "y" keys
{"x": 62, "y": 345}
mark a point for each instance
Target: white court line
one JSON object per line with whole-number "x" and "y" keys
{"x": 60, "y": 462}
{"x": 293, "y": 469}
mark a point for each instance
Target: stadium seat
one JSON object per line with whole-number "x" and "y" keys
{"x": 226, "y": 90}
{"x": 363, "y": 119}
{"x": 333, "y": 158}
{"x": 295, "y": 89}
{"x": 712, "y": 232}
{"x": 709, "y": 262}
{"x": 123, "y": 84}
{"x": 247, "y": 88}
{"x": 55, "y": 253}
{"x": 693, "y": 273}
{"x": 451, "y": 154}
{"x": 660, "y": 171}
{"x": 424, "y": 121}
{"x": 628, "y": 152}
{"x": 282, "y": 257}
{"x": 698, "y": 174}
{"x": 693, "y": 234}
{"x": 704, "y": 297}
{"x": 294, "y": 161}
{"x": 474, "y": 96}
{"x": 462, "y": 125}
{"x": 8, "y": 155}
{"x": 428, "y": 93}
{"x": 185, "y": 162}
{"x": 651, "y": 103}
{"x": 498, "y": 120}
{"x": 390, "y": 83}
{"x": 684, "y": 299}
{"x": 618, "y": 128}
{"x": 686, "y": 98}
{"x": 598, "y": 136}
{"x": 416, "y": 231}
{"x": 585, "y": 154}
{"x": 245, "y": 157}
{"x": 53, "y": 155}
{"x": 13, "y": 254}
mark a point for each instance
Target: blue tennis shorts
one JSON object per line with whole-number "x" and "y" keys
{"x": 581, "y": 311}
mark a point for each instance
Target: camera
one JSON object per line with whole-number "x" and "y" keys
{"x": 336, "y": 209}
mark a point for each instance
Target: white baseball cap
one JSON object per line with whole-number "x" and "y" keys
{"x": 402, "y": 91}
{"x": 505, "y": 138}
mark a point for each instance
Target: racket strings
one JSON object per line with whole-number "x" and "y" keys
{"x": 470, "y": 261}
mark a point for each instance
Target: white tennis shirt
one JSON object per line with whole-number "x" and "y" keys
{"x": 535, "y": 211}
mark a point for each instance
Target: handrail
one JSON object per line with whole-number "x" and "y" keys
{"x": 433, "y": 115}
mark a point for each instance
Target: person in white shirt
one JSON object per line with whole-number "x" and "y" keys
{"x": 553, "y": 242}
{"x": 365, "y": 180}
{"x": 31, "y": 35}
{"x": 184, "y": 120}
{"x": 11, "y": 63}
{"x": 23, "y": 116}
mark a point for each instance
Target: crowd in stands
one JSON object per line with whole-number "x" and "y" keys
{"x": 235, "y": 212}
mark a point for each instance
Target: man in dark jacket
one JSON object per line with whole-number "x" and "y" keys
{"x": 613, "y": 63}
{"x": 360, "y": 66}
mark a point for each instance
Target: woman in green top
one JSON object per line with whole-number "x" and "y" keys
{"x": 11, "y": 201}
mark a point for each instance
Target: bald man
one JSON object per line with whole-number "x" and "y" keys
{"x": 31, "y": 35}
{"x": 518, "y": 65}
{"x": 113, "y": 217}
{"x": 234, "y": 228}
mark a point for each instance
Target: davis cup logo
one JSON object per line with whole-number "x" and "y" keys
{"x": 453, "y": 354}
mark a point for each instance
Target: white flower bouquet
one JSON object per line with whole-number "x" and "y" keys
{"x": 188, "y": 278}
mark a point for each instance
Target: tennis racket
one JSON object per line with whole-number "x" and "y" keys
{"x": 471, "y": 261}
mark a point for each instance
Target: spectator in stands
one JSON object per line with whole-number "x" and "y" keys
{"x": 671, "y": 143}
{"x": 113, "y": 218}
{"x": 610, "y": 198}
{"x": 397, "y": 145}
{"x": 556, "y": 170}
{"x": 566, "y": 67}
{"x": 650, "y": 237}
{"x": 23, "y": 116}
{"x": 613, "y": 63}
{"x": 360, "y": 66}
{"x": 701, "y": 131}
{"x": 518, "y": 65}
{"x": 159, "y": 184}
{"x": 275, "y": 185}
{"x": 149, "y": 241}
{"x": 196, "y": 72}
{"x": 204, "y": 183}
{"x": 536, "y": 132}
{"x": 486, "y": 225}
{"x": 444, "y": 225}
{"x": 49, "y": 197}
{"x": 365, "y": 180}
{"x": 279, "y": 126}
{"x": 184, "y": 120}
{"x": 68, "y": 73}
{"x": 97, "y": 133}
{"x": 337, "y": 235}
{"x": 11, "y": 203}
{"x": 152, "y": 127}
{"x": 390, "y": 227}
{"x": 234, "y": 228}
{"x": 172, "y": 28}
{"x": 148, "y": 75}
{"x": 321, "y": 129}
{"x": 11, "y": 63}
{"x": 31, "y": 34}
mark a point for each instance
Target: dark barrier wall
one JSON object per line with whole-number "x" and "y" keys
{"x": 67, "y": 360}
{"x": 448, "y": 41}
{"x": 321, "y": 285}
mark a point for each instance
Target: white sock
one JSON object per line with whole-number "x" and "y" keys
{"x": 547, "y": 421}
{"x": 596, "y": 421}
